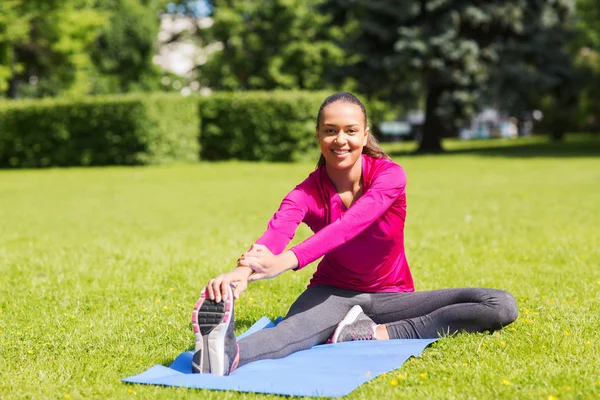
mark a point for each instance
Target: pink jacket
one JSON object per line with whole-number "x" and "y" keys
{"x": 362, "y": 246}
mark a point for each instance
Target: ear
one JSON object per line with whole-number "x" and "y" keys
{"x": 367, "y": 133}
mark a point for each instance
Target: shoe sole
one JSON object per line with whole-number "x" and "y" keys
{"x": 348, "y": 319}
{"x": 210, "y": 321}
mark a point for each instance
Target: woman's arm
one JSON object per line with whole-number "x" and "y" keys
{"x": 282, "y": 226}
{"x": 389, "y": 183}
{"x": 280, "y": 231}
{"x": 385, "y": 189}
{"x": 260, "y": 258}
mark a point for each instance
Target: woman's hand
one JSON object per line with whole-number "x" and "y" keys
{"x": 216, "y": 289}
{"x": 265, "y": 264}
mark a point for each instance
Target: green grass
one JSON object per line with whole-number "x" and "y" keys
{"x": 100, "y": 268}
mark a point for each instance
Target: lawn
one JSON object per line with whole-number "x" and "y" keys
{"x": 100, "y": 268}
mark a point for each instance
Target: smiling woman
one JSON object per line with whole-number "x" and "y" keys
{"x": 347, "y": 105}
{"x": 355, "y": 203}
{"x": 343, "y": 136}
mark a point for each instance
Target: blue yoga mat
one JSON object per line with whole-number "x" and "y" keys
{"x": 328, "y": 370}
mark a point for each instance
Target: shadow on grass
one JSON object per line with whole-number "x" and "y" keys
{"x": 579, "y": 146}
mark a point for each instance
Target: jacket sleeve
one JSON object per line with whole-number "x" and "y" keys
{"x": 389, "y": 183}
{"x": 282, "y": 226}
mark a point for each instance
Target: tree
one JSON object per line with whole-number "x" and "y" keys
{"x": 53, "y": 54}
{"x": 586, "y": 49}
{"x": 446, "y": 48}
{"x": 51, "y": 49}
{"x": 283, "y": 44}
{"x": 539, "y": 73}
{"x": 75, "y": 47}
{"x": 13, "y": 31}
{"x": 588, "y": 21}
{"x": 123, "y": 51}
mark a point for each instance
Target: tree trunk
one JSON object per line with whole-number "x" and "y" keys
{"x": 431, "y": 140}
{"x": 13, "y": 88}
{"x": 13, "y": 83}
{"x": 560, "y": 123}
{"x": 558, "y": 133}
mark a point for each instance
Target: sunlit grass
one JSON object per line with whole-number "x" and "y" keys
{"x": 573, "y": 145}
{"x": 99, "y": 269}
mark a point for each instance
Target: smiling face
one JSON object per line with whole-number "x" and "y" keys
{"x": 342, "y": 134}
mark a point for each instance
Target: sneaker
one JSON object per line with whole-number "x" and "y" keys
{"x": 355, "y": 326}
{"x": 216, "y": 351}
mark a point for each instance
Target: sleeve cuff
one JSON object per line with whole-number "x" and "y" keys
{"x": 301, "y": 263}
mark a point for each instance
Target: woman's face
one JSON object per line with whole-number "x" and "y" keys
{"x": 342, "y": 134}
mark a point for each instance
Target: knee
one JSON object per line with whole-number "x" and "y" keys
{"x": 505, "y": 307}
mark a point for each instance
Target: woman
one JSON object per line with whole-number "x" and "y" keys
{"x": 355, "y": 204}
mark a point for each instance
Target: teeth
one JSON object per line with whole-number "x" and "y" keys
{"x": 341, "y": 151}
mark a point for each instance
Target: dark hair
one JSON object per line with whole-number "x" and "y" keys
{"x": 372, "y": 147}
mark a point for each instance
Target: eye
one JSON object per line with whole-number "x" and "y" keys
{"x": 352, "y": 131}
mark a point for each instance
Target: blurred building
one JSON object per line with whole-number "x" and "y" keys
{"x": 180, "y": 49}
{"x": 407, "y": 128}
{"x": 492, "y": 123}
{"x": 489, "y": 123}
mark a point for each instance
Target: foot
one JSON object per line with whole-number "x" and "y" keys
{"x": 355, "y": 326}
{"x": 216, "y": 350}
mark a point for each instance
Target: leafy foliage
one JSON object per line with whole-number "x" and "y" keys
{"x": 539, "y": 73}
{"x": 276, "y": 126}
{"x": 445, "y": 47}
{"x": 277, "y": 44}
{"x": 586, "y": 48}
{"x": 98, "y": 131}
{"x": 55, "y": 51}
{"x": 160, "y": 128}
{"x": 13, "y": 29}
{"x": 124, "y": 49}
{"x": 64, "y": 47}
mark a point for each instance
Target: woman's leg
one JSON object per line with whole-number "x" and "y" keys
{"x": 310, "y": 321}
{"x": 417, "y": 315}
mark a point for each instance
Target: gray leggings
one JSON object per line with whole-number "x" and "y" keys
{"x": 408, "y": 315}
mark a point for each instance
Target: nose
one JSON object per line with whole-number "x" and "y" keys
{"x": 341, "y": 137}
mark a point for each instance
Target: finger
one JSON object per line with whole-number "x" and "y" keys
{"x": 224, "y": 291}
{"x": 210, "y": 291}
{"x": 203, "y": 292}
{"x": 237, "y": 291}
{"x": 253, "y": 263}
{"x": 243, "y": 263}
{"x": 217, "y": 289}
{"x": 257, "y": 277}
{"x": 257, "y": 247}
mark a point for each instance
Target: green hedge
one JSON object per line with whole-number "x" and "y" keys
{"x": 266, "y": 126}
{"x": 159, "y": 128}
{"x": 131, "y": 129}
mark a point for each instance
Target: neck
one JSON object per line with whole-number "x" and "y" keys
{"x": 346, "y": 180}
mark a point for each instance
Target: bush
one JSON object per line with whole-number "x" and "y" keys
{"x": 266, "y": 126}
{"x": 174, "y": 129}
{"x": 131, "y": 129}
{"x": 159, "y": 128}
